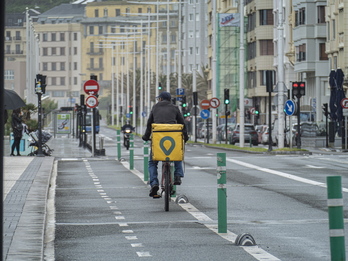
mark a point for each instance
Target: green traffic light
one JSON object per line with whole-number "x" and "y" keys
{"x": 184, "y": 105}
{"x": 227, "y": 101}
{"x": 256, "y": 112}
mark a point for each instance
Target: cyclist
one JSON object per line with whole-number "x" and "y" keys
{"x": 124, "y": 128}
{"x": 167, "y": 113}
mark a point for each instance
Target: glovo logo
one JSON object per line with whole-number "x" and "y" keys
{"x": 167, "y": 145}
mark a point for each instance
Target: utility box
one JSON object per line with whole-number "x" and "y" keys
{"x": 167, "y": 142}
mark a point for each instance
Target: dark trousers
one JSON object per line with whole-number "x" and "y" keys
{"x": 15, "y": 144}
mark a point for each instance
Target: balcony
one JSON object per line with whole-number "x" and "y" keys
{"x": 94, "y": 67}
{"x": 8, "y": 38}
{"x": 91, "y": 51}
{"x": 13, "y": 52}
{"x": 17, "y": 38}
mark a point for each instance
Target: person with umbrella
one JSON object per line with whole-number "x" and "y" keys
{"x": 17, "y": 128}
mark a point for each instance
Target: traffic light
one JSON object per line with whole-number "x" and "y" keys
{"x": 257, "y": 110}
{"x": 130, "y": 110}
{"x": 325, "y": 109}
{"x": 269, "y": 81}
{"x": 302, "y": 88}
{"x": 227, "y": 96}
{"x": 159, "y": 86}
{"x": 184, "y": 112}
{"x": 183, "y": 101}
{"x": 295, "y": 89}
{"x": 43, "y": 84}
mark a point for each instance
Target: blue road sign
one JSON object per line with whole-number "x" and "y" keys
{"x": 144, "y": 113}
{"x": 290, "y": 107}
{"x": 180, "y": 91}
{"x": 128, "y": 115}
{"x": 205, "y": 114}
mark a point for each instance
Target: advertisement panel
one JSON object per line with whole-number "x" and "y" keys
{"x": 63, "y": 123}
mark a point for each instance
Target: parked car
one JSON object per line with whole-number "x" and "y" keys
{"x": 221, "y": 131}
{"x": 307, "y": 129}
{"x": 250, "y": 134}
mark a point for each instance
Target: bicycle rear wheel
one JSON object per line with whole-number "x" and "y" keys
{"x": 167, "y": 189}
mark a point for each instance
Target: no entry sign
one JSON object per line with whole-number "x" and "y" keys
{"x": 91, "y": 87}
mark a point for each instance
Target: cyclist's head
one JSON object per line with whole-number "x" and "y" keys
{"x": 165, "y": 96}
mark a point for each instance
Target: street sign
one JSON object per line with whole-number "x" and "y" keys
{"x": 205, "y": 104}
{"x": 252, "y": 110}
{"x": 91, "y": 87}
{"x": 92, "y": 101}
{"x": 344, "y": 103}
{"x": 205, "y": 114}
{"x": 214, "y": 102}
{"x": 345, "y": 112}
{"x": 180, "y": 91}
{"x": 289, "y": 107}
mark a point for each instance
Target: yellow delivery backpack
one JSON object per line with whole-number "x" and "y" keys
{"x": 167, "y": 142}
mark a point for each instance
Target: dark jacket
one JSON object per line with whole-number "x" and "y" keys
{"x": 17, "y": 126}
{"x": 167, "y": 113}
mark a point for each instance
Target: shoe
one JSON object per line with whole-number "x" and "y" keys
{"x": 177, "y": 180}
{"x": 19, "y": 154}
{"x": 12, "y": 154}
{"x": 153, "y": 191}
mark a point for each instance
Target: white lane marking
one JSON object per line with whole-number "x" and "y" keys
{"x": 143, "y": 254}
{"x": 282, "y": 174}
{"x": 256, "y": 251}
{"x": 315, "y": 167}
{"x": 137, "y": 245}
{"x": 123, "y": 224}
{"x": 128, "y": 231}
{"x": 131, "y": 237}
{"x": 68, "y": 159}
{"x": 119, "y": 217}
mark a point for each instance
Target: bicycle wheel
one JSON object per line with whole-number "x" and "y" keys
{"x": 166, "y": 173}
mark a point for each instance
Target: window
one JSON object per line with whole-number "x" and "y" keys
{"x": 118, "y": 12}
{"x": 53, "y": 50}
{"x": 140, "y": 10}
{"x": 266, "y": 17}
{"x": 321, "y": 14}
{"x": 75, "y": 36}
{"x": 322, "y": 55}
{"x": 191, "y": 50}
{"x": 18, "y": 49}
{"x": 96, "y": 13}
{"x": 266, "y": 47}
{"x": 44, "y": 37}
{"x": 9, "y": 75}
{"x": 333, "y": 29}
{"x": 53, "y": 66}
{"x": 251, "y": 50}
{"x": 100, "y": 29}
{"x": 45, "y": 51}
{"x": 190, "y": 17}
{"x": 164, "y": 38}
{"x": 53, "y": 37}
{"x": 101, "y": 63}
{"x": 44, "y": 66}
{"x": 300, "y": 16}
{"x": 75, "y": 82}
{"x": 54, "y": 82}
{"x": 173, "y": 38}
{"x": 91, "y": 30}
{"x": 62, "y": 66}
{"x": 75, "y": 66}
{"x": 106, "y": 13}
{"x": 75, "y": 50}
{"x": 301, "y": 53}
{"x": 190, "y": 34}
{"x": 57, "y": 93}
{"x": 62, "y": 80}
{"x": 62, "y": 50}
{"x": 62, "y": 37}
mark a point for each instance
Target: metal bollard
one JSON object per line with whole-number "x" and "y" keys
{"x": 131, "y": 152}
{"x": 101, "y": 143}
{"x": 336, "y": 218}
{"x": 146, "y": 161}
{"x": 118, "y": 137}
{"x": 222, "y": 192}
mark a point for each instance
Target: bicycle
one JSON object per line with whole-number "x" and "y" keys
{"x": 167, "y": 183}
{"x": 126, "y": 138}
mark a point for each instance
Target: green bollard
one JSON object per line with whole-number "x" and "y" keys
{"x": 131, "y": 152}
{"x": 173, "y": 195}
{"x": 222, "y": 193}
{"x": 336, "y": 218}
{"x": 146, "y": 161}
{"x": 118, "y": 137}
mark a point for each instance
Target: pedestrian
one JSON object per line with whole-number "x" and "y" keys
{"x": 17, "y": 129}
{"x": 164, "y": 112}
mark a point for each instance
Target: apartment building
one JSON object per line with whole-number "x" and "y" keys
{"x": 312, "y": 50}
{"x": 194, "y": 30}
{"x": 60, "y": 52}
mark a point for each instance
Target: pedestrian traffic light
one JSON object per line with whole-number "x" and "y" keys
{"x": 159, "y": 86}
{"x": 183, "y": 101}
{"x": 302, "y": 88}
{"x": 295, "y": 89}
{"x": 227, "y": 96}
{"x": 257, "y": 110}
{"x": 325, "y": 109}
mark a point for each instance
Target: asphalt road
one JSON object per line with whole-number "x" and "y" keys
{"x": 103, "y": 211}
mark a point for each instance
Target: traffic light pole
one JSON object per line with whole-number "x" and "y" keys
{"x": 298, "y": 138}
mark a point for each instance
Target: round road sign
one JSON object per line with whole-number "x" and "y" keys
{"x": 290, "y": 107}
{"x": 344, "y": 103}
{"x": 92, "y": 101}
{"x": 205, "y": 104}
{"x": 91, "y": 87}
{"x": 214, "y": 103}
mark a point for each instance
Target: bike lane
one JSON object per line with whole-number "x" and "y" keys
{"x": 103, "y": 212}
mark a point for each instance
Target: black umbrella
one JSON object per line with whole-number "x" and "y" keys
{"x": 12, "y": 100}
{"x": 339, "y": 93}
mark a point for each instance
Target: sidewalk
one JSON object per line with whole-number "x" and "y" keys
{"x": 26, "y": 185}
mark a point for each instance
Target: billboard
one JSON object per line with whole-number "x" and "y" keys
{"x": 229, "y": 20}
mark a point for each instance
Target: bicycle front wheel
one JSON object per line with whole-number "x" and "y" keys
{"x": 166, "y": 173}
